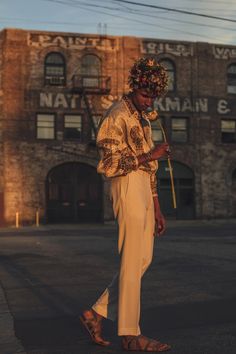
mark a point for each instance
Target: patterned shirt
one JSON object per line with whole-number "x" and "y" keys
{"x": 123, "y": 135}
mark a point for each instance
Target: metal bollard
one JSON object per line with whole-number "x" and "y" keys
{"x": 17, "y": 219}
{"x": 37, "y": 218}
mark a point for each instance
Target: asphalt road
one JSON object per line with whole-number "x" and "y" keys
{"x": 188, "y": 295}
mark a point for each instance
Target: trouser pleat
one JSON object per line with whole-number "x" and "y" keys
{"x": 133, "y": 208}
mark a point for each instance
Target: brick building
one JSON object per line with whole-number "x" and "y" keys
{"x": 55, "y": 86}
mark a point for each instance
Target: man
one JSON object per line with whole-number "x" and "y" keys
{"x": 129, "y": 160}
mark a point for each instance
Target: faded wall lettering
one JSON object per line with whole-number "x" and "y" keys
{"x": 224, "y": 52}
{"x": 155, "y": 47}
{"x": 73, "y": 42}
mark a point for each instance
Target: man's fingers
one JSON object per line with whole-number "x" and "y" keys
{"x": 160, "y": 225}
{"x": 160, "y": 228}
{"x": 162, "y": 232}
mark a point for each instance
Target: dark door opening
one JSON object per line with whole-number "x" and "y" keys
{"x": 74, "y": 194}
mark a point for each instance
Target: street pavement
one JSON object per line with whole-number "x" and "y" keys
{"x": 49, "y": 274}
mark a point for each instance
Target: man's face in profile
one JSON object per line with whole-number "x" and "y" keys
{"x": 143, "y": 99}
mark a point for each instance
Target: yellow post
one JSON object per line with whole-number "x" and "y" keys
{"x": 170, "y": 169}
{"x": 37, "y": 217}
{"x": 17, "y": 219}
{"x": 172, "y": 184}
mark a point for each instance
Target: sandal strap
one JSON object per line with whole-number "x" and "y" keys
{"x": 93, "y": 324}
{"x": 150, "y": 344}
{"x": 134, "y": 343}
{"x": 142, "y": 343}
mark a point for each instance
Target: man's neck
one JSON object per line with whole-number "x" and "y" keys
{"x": 133, "y": 106}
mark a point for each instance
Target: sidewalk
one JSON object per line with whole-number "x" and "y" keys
{"x": 9, "y": 344}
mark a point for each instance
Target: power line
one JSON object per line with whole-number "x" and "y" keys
{"x": 76, "y": 4}
{"x": 176, "y": 10}
{"x": 210, "y": 1}
{"x": 83, "y": 3}
{"x": 183, "y": 21}
{"x": 151, "y": 11}
{"x": 200, "y": 1}
{"x": 7, "y": 19}
{"x": 179, "y": 8}
{"x": 123, "y": 4}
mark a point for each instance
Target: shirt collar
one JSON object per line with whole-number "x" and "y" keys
{"x": 131, "y": 107}
{"x": 133, "y": 110}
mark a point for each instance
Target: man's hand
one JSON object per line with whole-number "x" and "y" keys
{"x": 160, "y": 226}
{"x": 160, "y": 150}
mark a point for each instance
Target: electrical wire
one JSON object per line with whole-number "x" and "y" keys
{"x": 7, "y": 19}
{"x": 176, "y": 10}
{"x": 153, "y": 16}
{"x": 189, "y": 22}
{"x": 76, "y": 4}
{"x": 89, "y": 6}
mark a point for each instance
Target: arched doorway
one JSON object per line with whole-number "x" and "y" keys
{"x": 184, "y": 186}
{"x": 74, "y": 194}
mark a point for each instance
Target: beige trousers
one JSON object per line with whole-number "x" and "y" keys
{"x": 133, "y": 207}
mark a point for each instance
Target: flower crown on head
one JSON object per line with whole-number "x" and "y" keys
{"x": 147, "y": 73}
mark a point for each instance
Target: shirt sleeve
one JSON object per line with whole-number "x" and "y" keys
{"x": 153, "y": 180}
{"x": 117, "y": 158}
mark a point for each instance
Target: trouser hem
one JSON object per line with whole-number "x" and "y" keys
{"x": 100, "y": 310}
{"x": 129, "y": 332}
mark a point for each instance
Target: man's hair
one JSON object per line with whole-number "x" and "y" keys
{"x": 148, "y": 74}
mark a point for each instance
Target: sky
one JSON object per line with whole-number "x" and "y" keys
{"x": 116, "y": 17}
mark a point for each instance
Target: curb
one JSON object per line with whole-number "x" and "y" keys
{"x": 172, "y": 223}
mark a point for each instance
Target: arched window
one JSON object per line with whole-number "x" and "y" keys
{"x": 231, "y": 78}
{"x": 90, "y": 70}
{"x": 170, "y": 67}
{"x": 55, "y": 69}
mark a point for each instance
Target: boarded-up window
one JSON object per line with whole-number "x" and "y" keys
{"x": 231, "y": 79}
{"x": 228, "y": 131}
{"x": 179, "y": 130}
{"x": 45, "y": 126}
{"x": 72, "y": 126}
{"x": 157, "y": 135}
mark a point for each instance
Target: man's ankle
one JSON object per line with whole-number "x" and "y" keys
{"x": 98, "y": 316}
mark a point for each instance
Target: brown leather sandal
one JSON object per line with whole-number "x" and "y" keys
{"x": 143, "y": 344}
{"x": 93, "y": 325}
